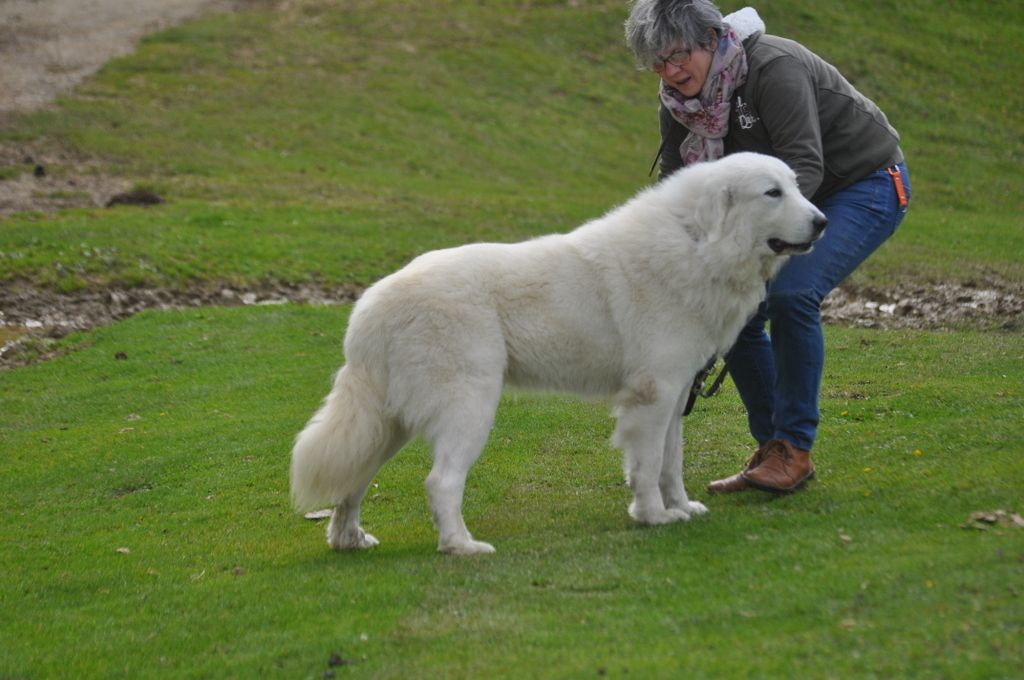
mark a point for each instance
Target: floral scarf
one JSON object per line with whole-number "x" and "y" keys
{"x": 706, "y": 116}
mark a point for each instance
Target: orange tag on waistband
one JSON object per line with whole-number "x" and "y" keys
{"x": 897, "y": 181}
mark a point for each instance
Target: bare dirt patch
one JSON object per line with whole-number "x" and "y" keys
{"x": 33, "y": 319}
{"x": 985, "y": 305}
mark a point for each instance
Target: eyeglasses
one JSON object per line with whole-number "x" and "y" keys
{"x": 677, "y": 59}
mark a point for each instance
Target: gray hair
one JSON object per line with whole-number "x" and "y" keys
{"x": 655, "y": 26}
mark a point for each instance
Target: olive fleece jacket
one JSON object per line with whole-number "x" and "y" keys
{"x": 799, "y": 108}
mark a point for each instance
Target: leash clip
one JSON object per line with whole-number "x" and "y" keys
{"x": 697, "y": 388}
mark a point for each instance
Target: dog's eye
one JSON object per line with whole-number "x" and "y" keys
{"x": 774, "y": 193}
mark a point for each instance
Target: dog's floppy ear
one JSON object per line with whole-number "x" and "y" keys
{"x": 712, "y": 208}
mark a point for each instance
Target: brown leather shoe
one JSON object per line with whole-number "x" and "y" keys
{"x": 783, "y": 469}
{"x": 737, "y": 482}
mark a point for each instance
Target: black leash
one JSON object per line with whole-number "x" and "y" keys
{"x": 656, "y": 158}
{"x": 697, "y": 388}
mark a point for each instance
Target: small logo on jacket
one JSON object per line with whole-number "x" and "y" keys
{"x": 745, "y": 118}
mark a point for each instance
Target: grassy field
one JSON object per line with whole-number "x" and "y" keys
{"x": 143, "y": 474}
{"x": 149, "y": 531}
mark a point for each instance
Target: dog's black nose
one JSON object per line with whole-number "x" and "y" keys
{"x": 819, "y": 224}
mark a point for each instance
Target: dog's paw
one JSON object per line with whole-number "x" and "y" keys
{"x": 354, "y": 540}
{"x": 467, "y": 548}
{"x": 696, "y": 508}
{"x": 367, "y": 540}
{"x": 654, "y": 516}
{"x": 691, "y": 508}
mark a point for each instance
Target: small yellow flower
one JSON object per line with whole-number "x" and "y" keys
{"x": 867, "y": 469}
{"x": 917, "y": 453}
{"x": 845, "y": 413}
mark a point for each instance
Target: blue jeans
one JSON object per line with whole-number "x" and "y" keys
{"x": 779, "y": 376}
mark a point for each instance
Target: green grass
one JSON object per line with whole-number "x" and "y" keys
{"x": 179, "y": 454}
{"x": 331, "y": 142}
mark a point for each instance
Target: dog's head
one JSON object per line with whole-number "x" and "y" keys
{"x": 753, "y": 201}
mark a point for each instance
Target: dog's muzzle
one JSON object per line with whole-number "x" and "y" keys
{"x": 779, "y": 246}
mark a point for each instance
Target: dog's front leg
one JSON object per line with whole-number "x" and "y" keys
{"x": 673, "y": 492}
{"x": 640, "y": 433}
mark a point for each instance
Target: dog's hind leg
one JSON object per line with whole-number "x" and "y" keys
{"x": 673, "y": 492}
{"x": 344, "y": 531}
{"x": 457, "y": 441}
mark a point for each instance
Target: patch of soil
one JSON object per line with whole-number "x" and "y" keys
{"x": 32, "y": 319}
{"x": 986, "y": 305}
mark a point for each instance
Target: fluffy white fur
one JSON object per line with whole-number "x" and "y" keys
{"x": 630, "y": 305}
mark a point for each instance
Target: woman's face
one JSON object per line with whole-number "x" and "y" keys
{"x": 685, "y": 74}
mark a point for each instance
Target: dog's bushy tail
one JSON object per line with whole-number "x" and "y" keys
{"x": 343, "y": 444}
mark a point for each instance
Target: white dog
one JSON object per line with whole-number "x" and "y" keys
{"x": 631, "y": 305}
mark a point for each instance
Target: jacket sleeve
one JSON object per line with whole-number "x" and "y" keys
{"x": 788, "y": 106}
{"x": 672, "y": 136}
